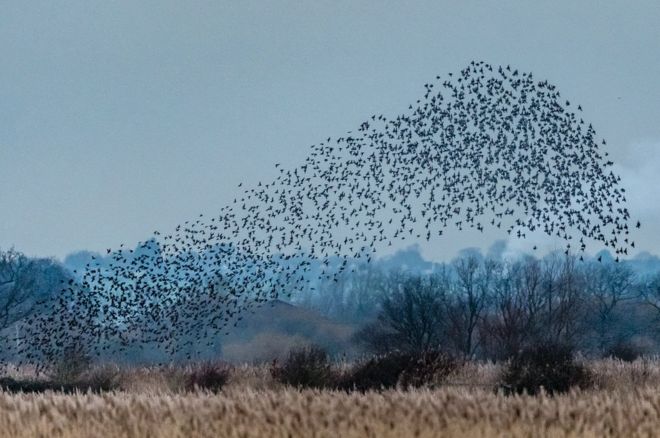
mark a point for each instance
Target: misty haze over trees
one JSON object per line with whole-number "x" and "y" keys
{"x": 477, "y": 306}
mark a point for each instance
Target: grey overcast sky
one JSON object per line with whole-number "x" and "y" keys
{"x": 121, "y": 117}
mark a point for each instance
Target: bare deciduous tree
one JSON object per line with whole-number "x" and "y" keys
{"x": 468, "y": 301}
{"x": 25, "y": 285}
{"x": 608, "y": 286}
{"x": 17, "y": 284}
{"x": 515, "y": 317}
{"x": 411, "y": 316}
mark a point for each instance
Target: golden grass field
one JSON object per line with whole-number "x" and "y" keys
{"x": 625, "y": 402}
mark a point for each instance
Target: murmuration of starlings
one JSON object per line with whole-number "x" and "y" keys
{"x": 488, "y": 146}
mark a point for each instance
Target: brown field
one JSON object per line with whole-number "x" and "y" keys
{"x": 150, "y": 403}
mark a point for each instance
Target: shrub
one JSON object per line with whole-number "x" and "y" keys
{"x": 427, "y": 368}
{"x": 398, "y": 368}
{"x": 64, "y": 379}
{"x": 99, "y": 379}
{"x": 306, "y": 367}
{"x": 548, "y": 366}
{"x": 379, "y": 372}
{"x": 73, "y": 363}
{"x": 208, "y": 376}
{"x": 624, "y": 351}
{"x": 10, "y": 384}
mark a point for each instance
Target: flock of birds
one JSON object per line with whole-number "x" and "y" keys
{"x": 486, "y": 147}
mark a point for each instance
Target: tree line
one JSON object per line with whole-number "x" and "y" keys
{"x": 480, "y": 307}
{"x": 473, "y": 307}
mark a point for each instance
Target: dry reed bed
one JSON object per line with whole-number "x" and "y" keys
{"x": 626, "y": 402}
{"x": 286, "y": 412}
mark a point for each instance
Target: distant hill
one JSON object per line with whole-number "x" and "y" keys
{"x": 271, "y": 330}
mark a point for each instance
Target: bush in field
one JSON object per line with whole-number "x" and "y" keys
{"x": 9, "y": 384}
{"x": 427, "y": 368}
{"x": 306, "y": 367}
{"x": 208, "y": 376}
{"x": 99, "y": 379}
{"x": 548, "y": 366}
{"x": 71, "y": 366}
{"x": 379, "y": 372}
{"x": 624, "y": 351}
{"x": 398, "y": 368}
